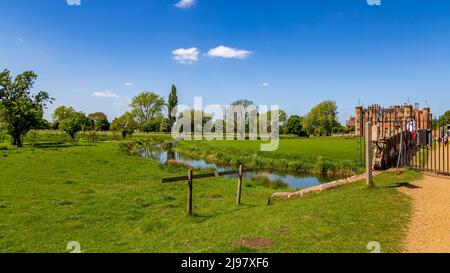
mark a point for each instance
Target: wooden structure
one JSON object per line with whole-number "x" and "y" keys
{"x": 190, "y": 181}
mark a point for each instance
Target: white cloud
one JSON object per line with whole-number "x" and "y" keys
{"x": 186, "y": 55}
{"x": 229, "y": 53}
{"x": 73, "y": 2}
{"x": 106, "y": 94}
{"x": 264, "y": 84}
{"x": 128, "y": 84}
{"x": 185, "y": 4}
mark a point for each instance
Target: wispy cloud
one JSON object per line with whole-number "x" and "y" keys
{"x": 264, "y": 84}
{"x": 106, "y": 94}
{"x": 73, "y": 2}
{"x": 185, "y": 4}
{"x": 186, "y": 55}
{"x": 21, "y": 41}
{"x": 228, "y": 53}
{"x": 128, "y": 84}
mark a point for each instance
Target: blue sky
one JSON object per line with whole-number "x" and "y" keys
{"x": 97, "y": 55}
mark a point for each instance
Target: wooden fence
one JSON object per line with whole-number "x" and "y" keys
{"x": 190, "y": 179}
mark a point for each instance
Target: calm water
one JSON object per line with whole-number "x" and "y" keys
{"x": 165, "y": 153}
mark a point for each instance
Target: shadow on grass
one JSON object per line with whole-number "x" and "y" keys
{"x": 200, "y": 218}
{"x": 56, "y": 145}
{"x": 405, "y": 185}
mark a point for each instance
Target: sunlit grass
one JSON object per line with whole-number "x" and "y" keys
{"x": 335, "y": 156}
{"x": 113, "y": 202}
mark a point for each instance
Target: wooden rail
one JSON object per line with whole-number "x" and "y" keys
{"x": 190, "y": 179}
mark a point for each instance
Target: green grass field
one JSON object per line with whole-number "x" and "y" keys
{"x": 314, "y": 155}
{"x": 110, "y": 201}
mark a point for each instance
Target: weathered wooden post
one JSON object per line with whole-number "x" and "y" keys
{"x": 369, "y": 155}
{"x": 189, "y": 199}
{"x": 239, "y": 185}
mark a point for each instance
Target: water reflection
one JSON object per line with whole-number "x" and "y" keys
{"x": 165, "y": 153}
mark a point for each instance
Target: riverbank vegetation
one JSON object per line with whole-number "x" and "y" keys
{"x": 331, "y": 156}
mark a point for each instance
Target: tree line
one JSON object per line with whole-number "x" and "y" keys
{"x": 22, "y": 111}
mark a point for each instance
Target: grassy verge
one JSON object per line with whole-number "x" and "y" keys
{"x": 332, "y": 156}
{"x": 112, "y": 202}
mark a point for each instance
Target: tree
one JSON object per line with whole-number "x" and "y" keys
{"x": 99, "y": 121}
{"x": 125, "y": 124}
{"x": 282, "y": 116}
{"x": 43, "y": 124}
{"x": 165, "y": 126}
{"x": 3, "y": 131}
{"x": 206, "y": 117}
{"x": 233, "y": 114}
{"x": 153, "y": 125}
{"x": 69, "y": 120}
{"x": 171, "y": 105}
{"x": 20, "y": 110}
{"x": 445, "y": 119}
{"x": 146, "y": 106}
{"x": 294, "y": 126}
{"x": 321, "y": 119}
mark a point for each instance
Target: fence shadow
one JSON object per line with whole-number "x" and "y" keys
{"x": 404, "y": 185}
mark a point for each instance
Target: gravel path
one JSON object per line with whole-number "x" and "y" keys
{"x": 429, "y": 229}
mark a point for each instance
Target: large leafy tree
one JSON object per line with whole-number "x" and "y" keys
{"x": 171, "y": 105}
{"x": 146, "y": 107}
{"x": 321, "y": 119}
{"x": 99, "y": 121}
{"x": 125, "y": 124}
{"x": 445, "y": 119}
{"x": 233, "y": 113}
{"x": 70, "y": 121}
{"x": 294, "y": 125}
{"x": 21, "y": 110}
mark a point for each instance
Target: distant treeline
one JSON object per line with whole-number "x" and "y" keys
{"x": 21, "y": 111}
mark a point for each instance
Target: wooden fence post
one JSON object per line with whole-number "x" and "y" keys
{"x": 239, "y": 185}
{"x": 189, "y": 199}
{"x": 369, "y": 156}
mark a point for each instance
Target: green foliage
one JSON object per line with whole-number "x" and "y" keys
{"x": 125, "y": 124}
{"x": 99, "y": 121}
{"x": 70, "y": 121}
{"x": 42, "y": 124}
{"x": 321, "y": 119}
{"x": 234, "y": 113}
{"x": 266, "y": 181}
{"x": 146, "y": 107}
{"x": 20, "y": 110}
{"x": 153, "y": 125}
{"x": 206, "y": 117}
{"x": 165, "y": 126}
{"x": 294, "y": 126}
{"x": 171, "y": 105}
{"x": 3, "y": 131}
{"x": 445, "y": 119}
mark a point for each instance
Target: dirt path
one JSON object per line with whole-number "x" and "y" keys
{"x": 429, "y": 229}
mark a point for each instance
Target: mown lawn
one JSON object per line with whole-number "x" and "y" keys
{"x": 315, "y": 155}
{"x": 112, "y": 202}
